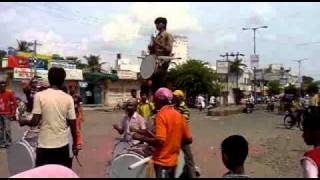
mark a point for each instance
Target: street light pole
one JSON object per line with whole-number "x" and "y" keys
{"x": 254, "y": 52}
{"x": 299, "y": 76}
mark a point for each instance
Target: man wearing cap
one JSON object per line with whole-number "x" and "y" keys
{"x": 170, "y": 132}
{"x": 132, "y": 120}
{"x": 189, "y": 168}
{"x": 8, "y": 105}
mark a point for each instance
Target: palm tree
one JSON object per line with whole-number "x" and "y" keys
{"x": 23, "y": 46}
{"x": 94, "y": 64}
{"x": 77, "y": 62}
{"x": 237, "y": 68}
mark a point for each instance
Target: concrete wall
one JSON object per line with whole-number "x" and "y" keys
{"x": 119, "y": 91}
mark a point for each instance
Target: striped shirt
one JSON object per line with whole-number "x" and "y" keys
{"x": 184, "y": 110}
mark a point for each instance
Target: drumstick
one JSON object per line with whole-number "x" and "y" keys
{"x": 78, "y": 161}
{"x": 139, "y": 163}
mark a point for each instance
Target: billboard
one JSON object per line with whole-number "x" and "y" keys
{"x": 254, "y": 61}
{"x": 26, "y": 73}
{"x": 222, "y": 67}
{"x": 259, "y": 74}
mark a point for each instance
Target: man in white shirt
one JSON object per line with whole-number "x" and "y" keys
{"x": 53, "y": 111}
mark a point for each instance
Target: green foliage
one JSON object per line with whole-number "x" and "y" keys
{"x": 57, "y": 57}
{"x": 194, "y": 77}
{"x": 236, "y": 67}
{"x": 274, "y": 87}
{"x": 312, "y": 88}
{"x": 291, "y": 89}
{"x": 94, "y": 64}
{"x": 23, "y": 46}
{"x": 77, "y": 62}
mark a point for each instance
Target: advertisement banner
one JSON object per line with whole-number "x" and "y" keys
{"x": 74, "y": 74}
{"x": 127, "y": 75}
{"x": 26, "y": 73}
{"x": 18, "y": 62}
{"x": 222, "y": 67}
{"x": 254, "y": 61}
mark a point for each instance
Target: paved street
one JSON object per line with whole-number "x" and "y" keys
{"x": 274, "y": 151}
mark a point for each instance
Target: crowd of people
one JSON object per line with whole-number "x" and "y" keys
{"x": 162, "y": 121}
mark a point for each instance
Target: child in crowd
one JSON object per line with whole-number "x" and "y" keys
{"x": 234, "y": 151}
{"x": 311, "y": 134}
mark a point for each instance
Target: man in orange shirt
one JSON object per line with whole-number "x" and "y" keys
{"x": 170, "y": 132}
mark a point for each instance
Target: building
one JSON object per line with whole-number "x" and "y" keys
{"x": 180, "y": 49}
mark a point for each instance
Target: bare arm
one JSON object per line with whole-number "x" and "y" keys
{"x": 33, "y": 122}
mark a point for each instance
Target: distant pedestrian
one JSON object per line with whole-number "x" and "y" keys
{"x": 234, "y": 151}
{"x": 8, "y": 105}
{"x": 311, "y": 134}
{"x": 145, "y": 107}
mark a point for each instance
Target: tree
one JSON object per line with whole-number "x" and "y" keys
{"x": 77, "y": 62}
{"x": 57, "y": 57}
{"x": 2, "y": 54}
{"x": 94, "y": 64}
{"x": 312, "y": 88}
{"x": 236, "y": 67}
{"x": 274, "y": 87}
{"x": 291, "y": 89}
{"x": 23, "y": 46}
{"x": 194, "y": 77}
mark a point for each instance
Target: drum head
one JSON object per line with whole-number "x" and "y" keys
{"x": 21, "y": 157}
{"x": 119, "y": 148}
{"x": 148, "y": 67}
{"x": 119, "y": 167}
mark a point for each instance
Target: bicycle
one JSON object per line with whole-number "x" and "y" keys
{"x": 290, "y": 120}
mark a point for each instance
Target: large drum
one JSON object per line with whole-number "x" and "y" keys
{"x": 22, "y": 154}
{"x": 132, "y": 161}
{"x": 149, "y": 66}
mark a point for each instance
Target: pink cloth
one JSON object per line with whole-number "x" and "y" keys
{"x": 163, "y": 94}
{"x": 47, "y": 171}
{"x": 136, "y": 121}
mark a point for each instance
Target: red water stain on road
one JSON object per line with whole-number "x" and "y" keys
{"x": 95, "y": 156}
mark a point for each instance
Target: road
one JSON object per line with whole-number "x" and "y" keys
{"x": 274, "y": 151}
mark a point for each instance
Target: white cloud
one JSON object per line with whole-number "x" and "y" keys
{"x": 261, "y": 13}
{"x": 138, "y": 21}
{"x": 8, "y": 16}
{"x": 53, "y": 43}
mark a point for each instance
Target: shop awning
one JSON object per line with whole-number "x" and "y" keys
{"x": 97, "y": 76}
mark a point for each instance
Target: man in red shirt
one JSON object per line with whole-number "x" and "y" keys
{"x": 170, "y": 132}
{"x": 8, "y": 107}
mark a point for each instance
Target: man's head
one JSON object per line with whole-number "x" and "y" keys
{"x": 161, "y": 23}
{"x": 144, "y": 96}
{"x": 134, "y": 93}
{"x": 3, "y": 85}
{"x": 131, "y": 106}
{"x": 311, "y": 126}
{"x": 162, "y": 97}
{"x": 178, "y": 96}
{"x": 72, "y": 89}
{"x": 234, "y": 151}
{"x": 56, "y": 76}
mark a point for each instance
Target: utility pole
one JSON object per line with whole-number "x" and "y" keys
{"x": 299, "y": 76}
{"x": 254, "y": 52}
{"x": 227, "y": 76}
{"x": 34, "y": 44}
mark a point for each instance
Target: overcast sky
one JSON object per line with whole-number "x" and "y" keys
{"x": 105, "y": 28}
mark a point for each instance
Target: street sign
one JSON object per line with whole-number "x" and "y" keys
{"x": 259, "y": 74}
{"x": 222, "y": 67}
{"x": 254, "y": 61}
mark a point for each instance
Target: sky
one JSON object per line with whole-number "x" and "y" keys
{"x": 213, "y": 28}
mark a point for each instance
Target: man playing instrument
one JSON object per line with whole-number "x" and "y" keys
{"x": 161, "y": 45}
